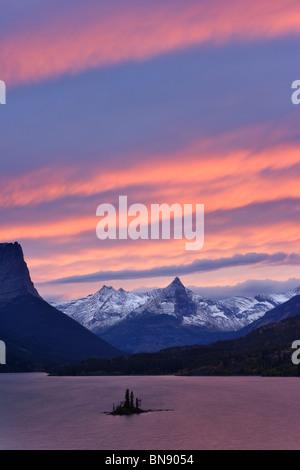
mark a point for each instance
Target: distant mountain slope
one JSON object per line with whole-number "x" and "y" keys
{"x": 44, "y": 334}
{"x": 170, "y": 316}
{"x": 281, "y": 312}
{"x": 264, "y": 351}
{"x": 33, "y": 330}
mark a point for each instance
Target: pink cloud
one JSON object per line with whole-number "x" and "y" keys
{"x": 84, "y": 38}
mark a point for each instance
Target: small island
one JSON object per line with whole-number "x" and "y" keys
{"x": 129, "y": 406}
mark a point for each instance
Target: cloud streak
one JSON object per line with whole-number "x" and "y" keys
{"x": 109, "y": 35}
{"x": 164, "y": 174}
{"x": 196, "y": 266}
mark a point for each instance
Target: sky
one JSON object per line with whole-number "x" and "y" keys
{"x": 164, "y": 101}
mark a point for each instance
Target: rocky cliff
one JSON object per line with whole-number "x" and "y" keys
{"x": 14, "y": 274}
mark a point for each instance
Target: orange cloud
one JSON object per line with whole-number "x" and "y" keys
{"x": 229, "y": 240}
{"x": 84, "y": 37}
{"x": 218, "y": 180}
{"x": 223, "y": 181}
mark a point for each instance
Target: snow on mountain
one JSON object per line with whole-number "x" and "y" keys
{"x": 249, "y": 309}
{"x": 104, "y": 308}
{"x": 108, "y": 307}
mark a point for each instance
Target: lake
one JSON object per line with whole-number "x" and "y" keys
{"x": 41, "y": 412}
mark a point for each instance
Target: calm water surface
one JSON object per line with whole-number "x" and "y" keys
{"x": 40, "y": 412}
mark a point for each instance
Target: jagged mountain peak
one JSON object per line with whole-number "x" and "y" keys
{"x": 106, "y": 288}
{"x": 174, "y": 300}
{"x": 176, "y": 284}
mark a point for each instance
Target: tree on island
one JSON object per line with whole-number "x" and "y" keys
{"x": 131, "y": 399}
{"x": 127, "y": 406}
{"x": 127, "y": 403}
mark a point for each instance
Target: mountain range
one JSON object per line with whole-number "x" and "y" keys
{"x": 265, "y": 351}
{"x": 171, "y": 316}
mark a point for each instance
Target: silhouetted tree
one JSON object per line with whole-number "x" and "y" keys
{"x": 127, "y": 402}
{"x": 131, "y": 399}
